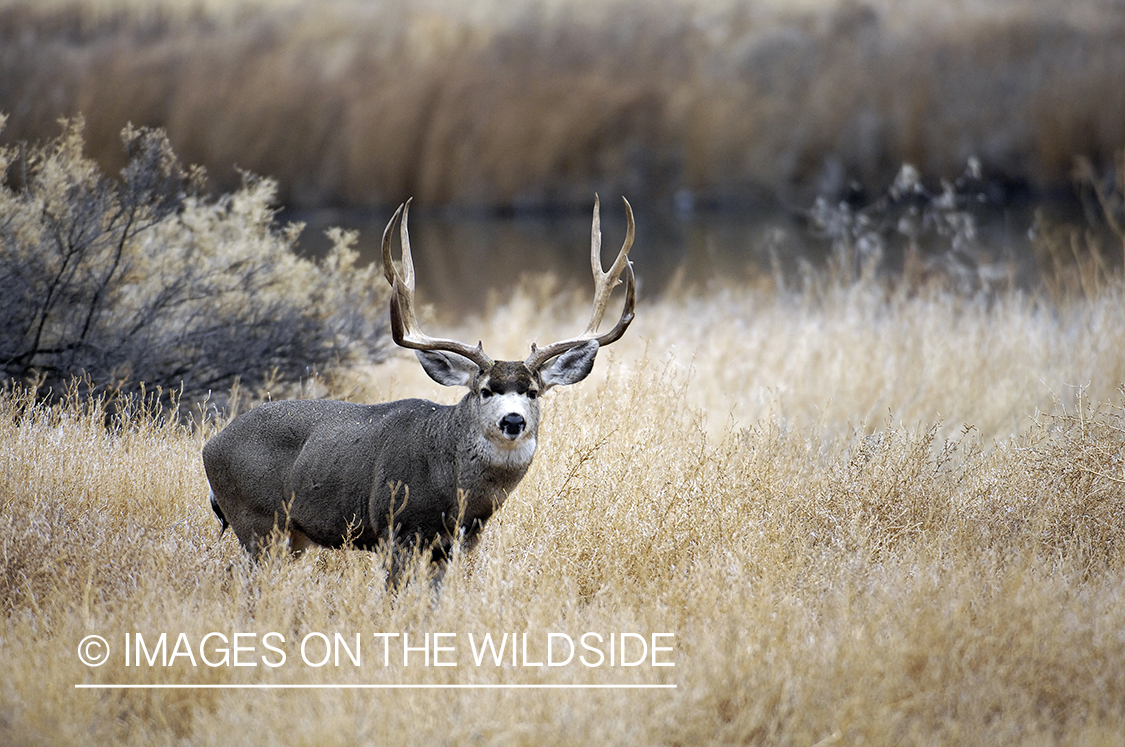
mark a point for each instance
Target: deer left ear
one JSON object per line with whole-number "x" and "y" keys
{"x": 447, "y": 369}
{"x": 570, "y": 367}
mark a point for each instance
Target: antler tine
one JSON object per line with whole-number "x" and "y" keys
{"x": 407, "y": 257}
{"x": 604, "y": 283}
{"x": 389, "y": 271}
{"x": 405, "y": 329}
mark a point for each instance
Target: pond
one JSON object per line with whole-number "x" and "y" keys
{"x": 460, "y": 258}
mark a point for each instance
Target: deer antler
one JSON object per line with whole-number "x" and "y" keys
{"x": 604, "y": 283}
{"x": 404, "y": 323}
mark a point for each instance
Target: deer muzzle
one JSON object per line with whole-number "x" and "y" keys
{"x": 512, "y": 425}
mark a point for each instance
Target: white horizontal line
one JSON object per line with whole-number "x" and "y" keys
{"x": 256, "y": 686}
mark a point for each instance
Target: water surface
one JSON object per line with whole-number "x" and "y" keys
{"x": 460, "y": 259}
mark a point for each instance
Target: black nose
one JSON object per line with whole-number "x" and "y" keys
{"x": 512, "y": 425}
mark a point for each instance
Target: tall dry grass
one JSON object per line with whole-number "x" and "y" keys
{"x": 540, "y": 102}
{"x": 888, "y": 520}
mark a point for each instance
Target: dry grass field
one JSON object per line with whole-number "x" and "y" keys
{"x": 531, "y": 103}
{"x": 863, "y": 517}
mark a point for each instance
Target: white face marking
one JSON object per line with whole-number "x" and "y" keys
{"x": 504, "y": 404}
{"x": 516, "y": 456}
{"x": 500, "y": 448}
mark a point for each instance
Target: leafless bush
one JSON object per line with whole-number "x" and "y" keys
{"x": 143, "y": 281}
{"x": 915, "y": 233}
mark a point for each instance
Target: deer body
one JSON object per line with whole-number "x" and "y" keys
{"x": 345, "y": 473}
{"x": 409, "y": 472}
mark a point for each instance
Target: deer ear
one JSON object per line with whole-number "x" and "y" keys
{"x": 447, "y": 369}
{"x": 570, "y": 367}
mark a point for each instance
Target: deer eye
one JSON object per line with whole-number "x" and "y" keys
{"x": 485, "y": 393}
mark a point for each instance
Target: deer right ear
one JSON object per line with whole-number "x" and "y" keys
{"x": 570, "y": 367}
{"x": 447, "y": 369}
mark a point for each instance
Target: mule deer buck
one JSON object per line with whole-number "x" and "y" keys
{"x": 411, "y": 472}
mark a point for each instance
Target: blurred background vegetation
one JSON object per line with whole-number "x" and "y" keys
{"x": 538, "y": 103}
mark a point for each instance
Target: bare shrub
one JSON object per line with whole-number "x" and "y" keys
{"x": 142, "y": 280}
{"x": 914, "y": 233}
